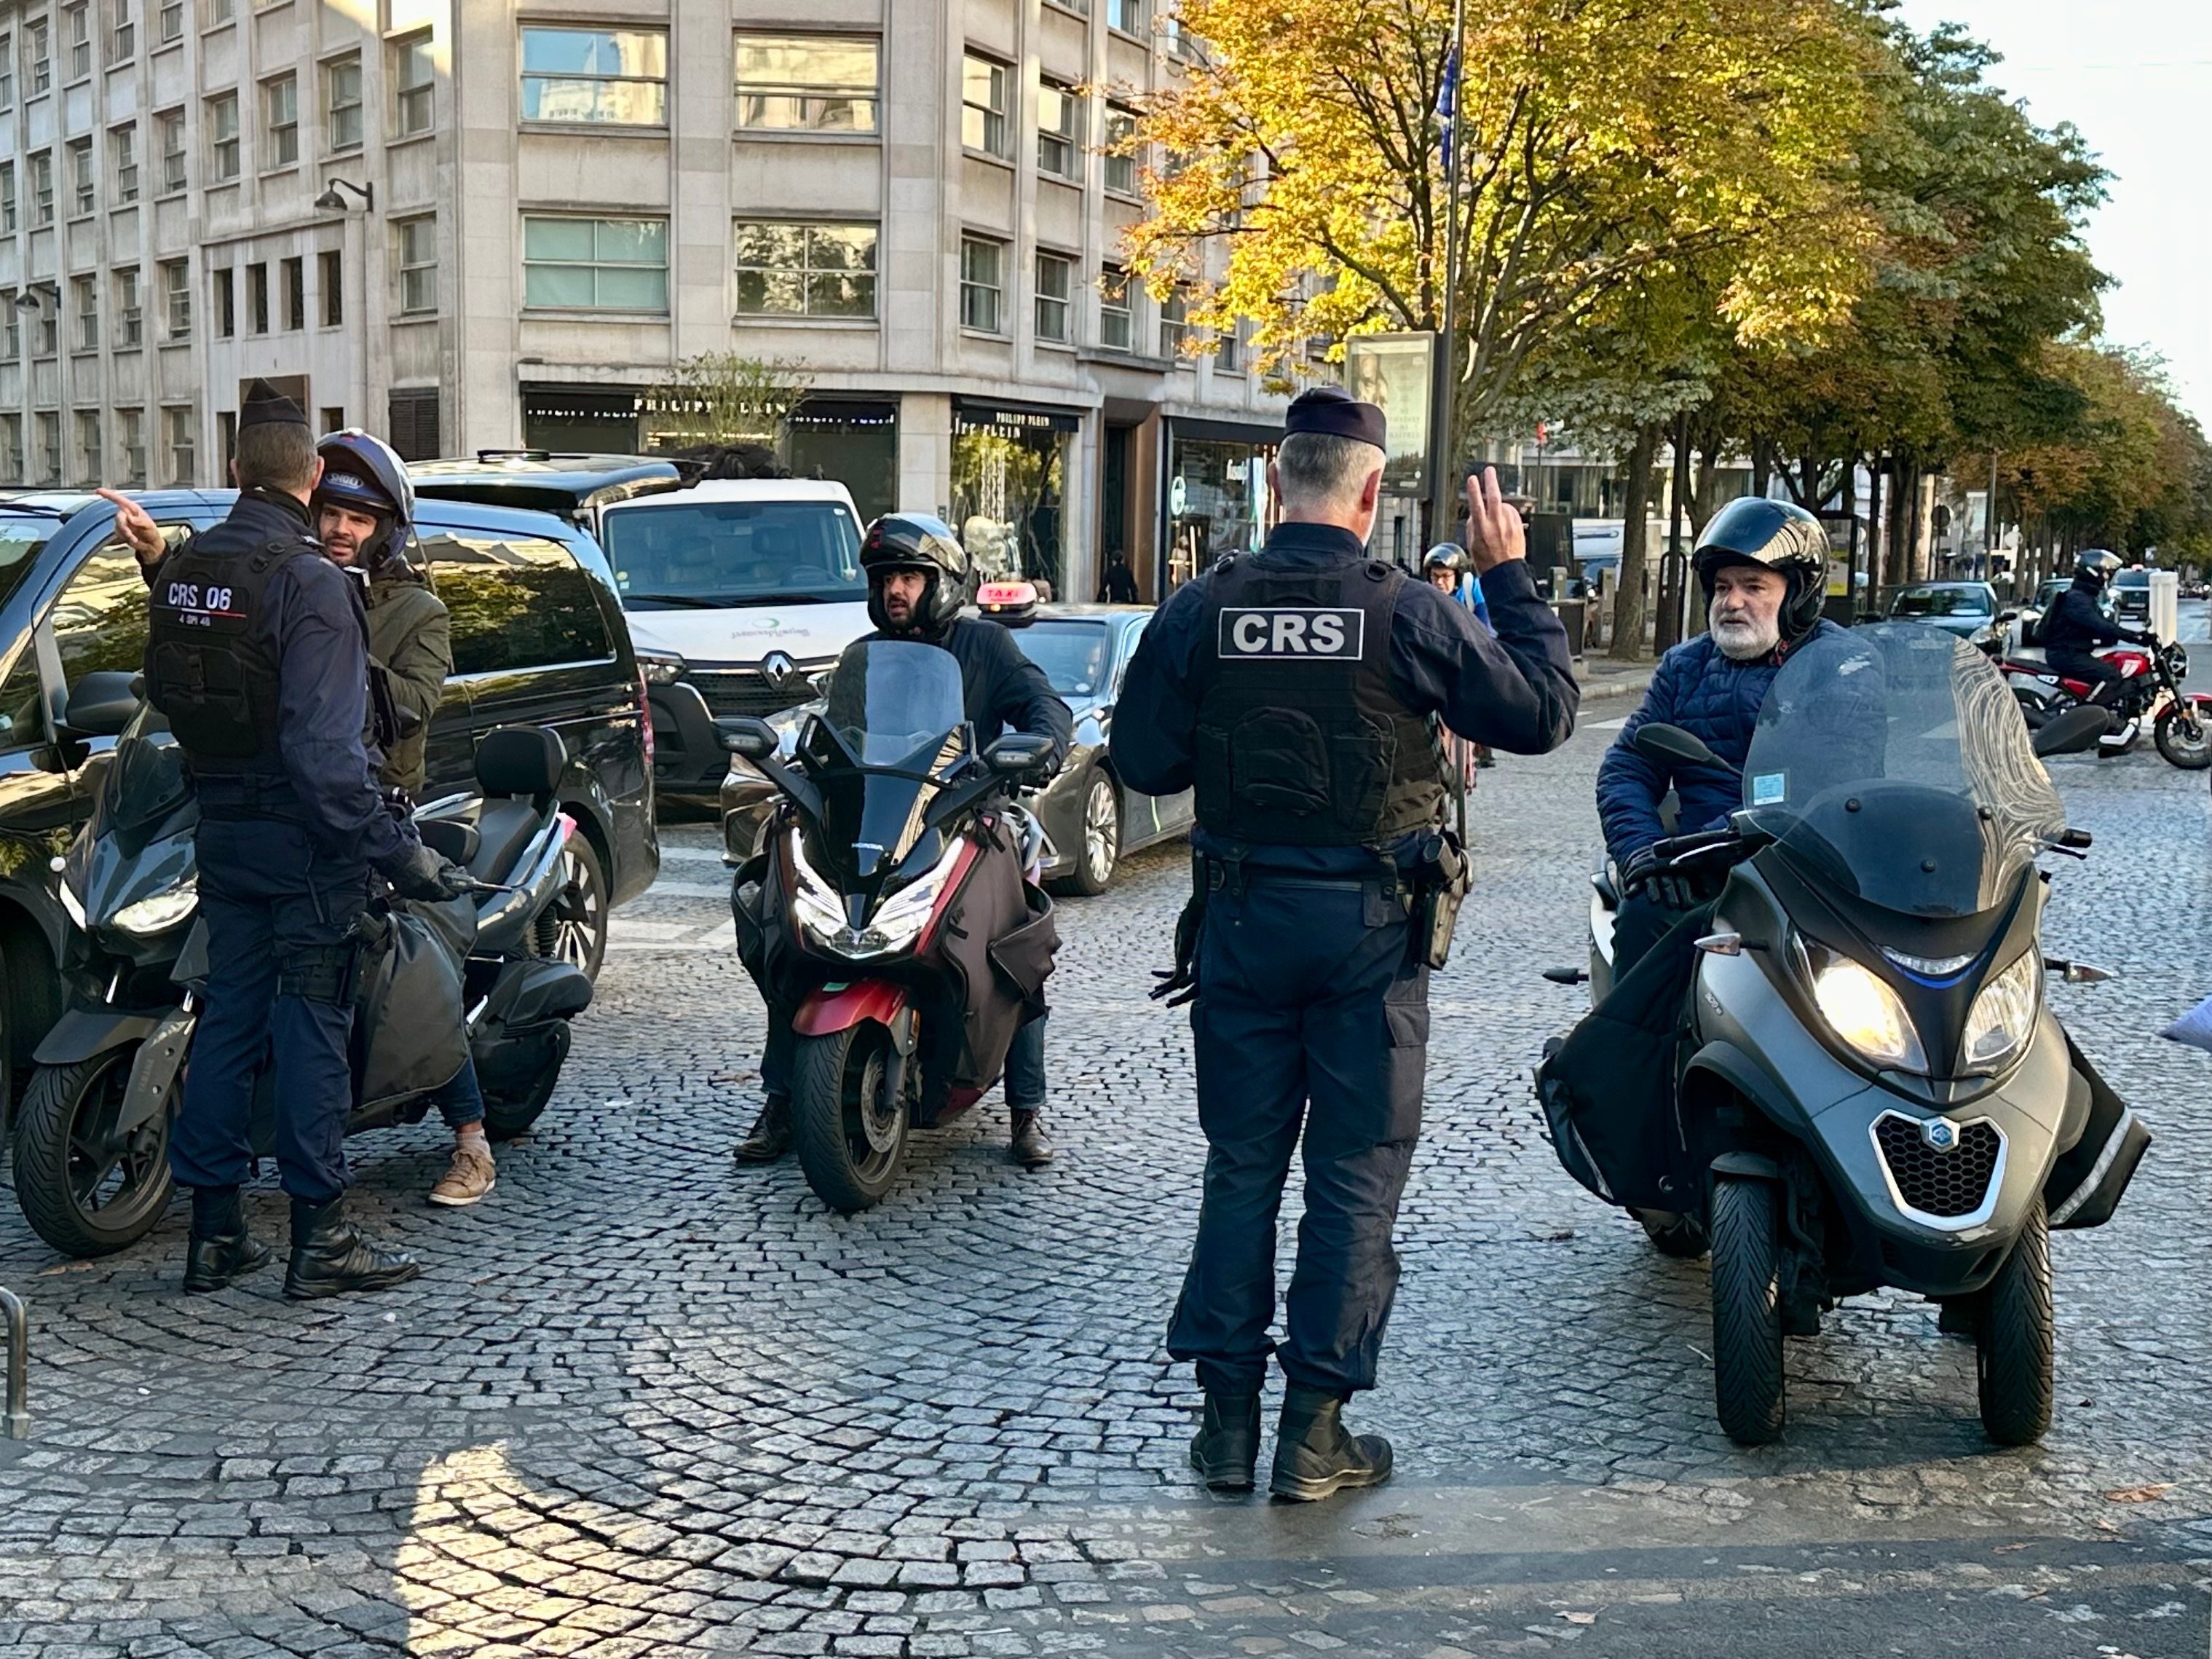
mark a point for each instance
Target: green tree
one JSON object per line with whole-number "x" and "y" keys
{"x": 722, "y": 397}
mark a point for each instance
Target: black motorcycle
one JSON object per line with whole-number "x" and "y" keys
{"x": 91, "y": 1144}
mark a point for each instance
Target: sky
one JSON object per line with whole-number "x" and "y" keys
{"x": 2135, "y": 75}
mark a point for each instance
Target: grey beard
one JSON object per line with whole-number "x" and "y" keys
{"x": 1741, "y": 639}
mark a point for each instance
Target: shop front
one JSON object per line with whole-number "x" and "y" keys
{"x": 1010, "y": 484}
{"x": 852, "y": 443}
{"x": 1218, "y": 500}
{"x": 591, "y": 420}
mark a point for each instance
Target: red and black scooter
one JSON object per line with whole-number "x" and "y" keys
{"x": 2148, "y": 694}
{"x": 888, "y": 905}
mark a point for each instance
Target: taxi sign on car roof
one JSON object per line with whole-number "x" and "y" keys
{"x": 1010, "y": 604}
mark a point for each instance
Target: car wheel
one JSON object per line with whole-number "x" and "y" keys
{"x": 1099, "y": 848}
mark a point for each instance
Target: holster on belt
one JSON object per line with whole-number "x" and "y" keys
{"x": 1442, "y": 875}
{"x": 1179, "y": 985}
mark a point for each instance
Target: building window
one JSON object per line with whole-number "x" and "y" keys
{"x": 11, "y": 449}
{"x": 342, "y": 102}
{"x": 177, "y": 298}
{"x": 84, "y": 184}
{"x": 611, "y": 78}
{"x": 7, "y": 72}
{"x": 84, "y": 298}
{"x": 122, "y": 34}
{"x": 218, "y": 12}
{"x": 183, "y": 439}
{"x": 807, "y": 83}
{"x": 595, "y": 265}
{"x": 257, "y": 298}
{"x": 130, "y": 314}
{"x": 11, "y": 327}
{"x": 280, "y": 114}
{"x": 48, "y": 343}
{"x": 293, "y": 273}
{"x": 1053, "y": 273}
{"x": 1060, "y": 130}
{"x": 418, "y": 266}
{"x": 39, "y": 53}
{"x": 77, "y": 34}
{"x": 225, "y": 304}
{"x": 1121, "y": 168}
{"x": 50, "y": 449}
{"x": 333, "y": 419}
{"x": 1117, "y": 323}
{"x": 983, "y": 108}
{"x": 42, "y": 188}
{"x": 329, "y": 280}
{"x": 411, "y": 422}
{"x": 1229, "y": 353}
{"x": 787, "y": 269}
{"x": 222, "y": 138}
{"x": 1175, "y": 324}
{"x": 1127, "y": 16}
{"x": 414, "y": 80}
{"x": 123, "y": 146}
{"x": 172, "y": 22}
{"x": 226, "y": 437}
{"x": 982, "y": 283}
{"x": 171, "y": 127}
{"x": 131, "y": 439}
{"x": 90, "y": 463}
{"x": 7, "y": 196}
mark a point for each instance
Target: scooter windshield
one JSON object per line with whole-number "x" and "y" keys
{"x": 895, "y": 705}
{"x": 1892, "y": 762}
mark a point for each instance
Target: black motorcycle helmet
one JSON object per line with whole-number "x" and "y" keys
{"x": 2093, "y": 567}
{"x": 366, "y": 474}
{"x": 915, "y": 541}
{"x": 1753, "y": 530}
{"x": 1444, "y": 555}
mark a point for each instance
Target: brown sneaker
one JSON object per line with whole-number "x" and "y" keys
{"x": 469, "y": 1178}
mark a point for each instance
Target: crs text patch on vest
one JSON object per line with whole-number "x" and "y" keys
{"x": 1294, "y": 634}
{"x": 198, "y": 604}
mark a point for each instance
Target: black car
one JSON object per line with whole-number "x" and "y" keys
{"x": 572, "y": 486}
{"x": 1090, "y": 818}
{"x": 538, "y": 639}
{"x": 2131, "y": 591}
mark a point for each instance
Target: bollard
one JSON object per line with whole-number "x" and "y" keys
{"x": 16, "y": 1424}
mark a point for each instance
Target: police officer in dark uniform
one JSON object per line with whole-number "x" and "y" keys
{"x": 1291, "y": 688}
{"x": 258, "y": 653}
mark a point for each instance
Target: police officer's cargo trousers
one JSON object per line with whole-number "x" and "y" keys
{"x": 1311, "y": 1011}
{"x": 281, "y": 917}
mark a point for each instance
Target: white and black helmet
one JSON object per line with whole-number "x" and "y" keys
{"x": 915, "y": 541}
{"x": 1778, "y": 536}
{"x": 2095, "y": 566}
{"x": 1444, "y": 555}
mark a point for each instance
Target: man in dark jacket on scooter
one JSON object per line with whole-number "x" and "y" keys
{"x": 919, "y": 577}
{"x": 2077, "y": 625}
{"x": 1764, "y": 567}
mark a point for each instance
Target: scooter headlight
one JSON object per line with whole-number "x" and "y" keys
{"x": 2003, "y": 1015}
{"x": 159, "y": 914}
{"x": 820, "y": 911}
{"x": 1864, "y": 1012}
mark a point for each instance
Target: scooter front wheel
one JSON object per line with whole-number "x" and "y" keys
{"x": 2183, "y": 733}
{"x": 1746, "y": 1288}
{"x": 87, "y": 1187}
{"x": 2013, "y": 1336}
{"x": 851, "y": 1141}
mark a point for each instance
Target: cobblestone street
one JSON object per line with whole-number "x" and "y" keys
{"x": 645, "y": 1403}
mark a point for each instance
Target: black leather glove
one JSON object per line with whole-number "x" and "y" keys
{"x": 1643, "y": 873}
{"x": 429, "y": 877}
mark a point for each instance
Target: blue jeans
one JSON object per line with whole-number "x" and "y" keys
{"x": 460, "y": 1102}
{"x": 1025, "y": 1067}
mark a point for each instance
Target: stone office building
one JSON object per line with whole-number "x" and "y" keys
{"x": 477, "y": 226}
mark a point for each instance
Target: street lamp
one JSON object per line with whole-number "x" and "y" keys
{"x": 29, "y": 300}
{"x": 331, "y": 202}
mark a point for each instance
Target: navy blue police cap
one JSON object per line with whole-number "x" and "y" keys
{"x": 267, "y": 406}
{"x": 1335, "y": 413}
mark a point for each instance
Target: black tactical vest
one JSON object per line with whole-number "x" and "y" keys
{"x": 207, "y": 666}
{"x": 1301, "y": 742}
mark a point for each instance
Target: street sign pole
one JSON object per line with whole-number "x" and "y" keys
{"x": 1444, "y": 463}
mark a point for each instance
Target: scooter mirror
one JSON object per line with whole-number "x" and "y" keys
{"x": 2071, "y": 732}
{"x": 747, "y": 735}
{"x": 1017, "y": 752}
{"x": 1659, "y": 742}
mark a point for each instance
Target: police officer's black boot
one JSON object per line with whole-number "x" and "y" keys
{"x": 328, "y": 1258}
{"x": 769, "y": 1138}
{"x": 1225, "y": 1451}
{"x": 1314, "y": 1454}
{"x": 220, "y": 1250}
{"x": 1028, "y": 1147}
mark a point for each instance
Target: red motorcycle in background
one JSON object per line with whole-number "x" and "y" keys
{"x": 2149, "y": 694}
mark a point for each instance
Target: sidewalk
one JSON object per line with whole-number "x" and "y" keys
{"x": 1601, "y": 676}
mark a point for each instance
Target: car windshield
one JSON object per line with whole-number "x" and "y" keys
{"x": 22, "y": 536}
{"x": 2132, "y": 579}
{"x": 1891, "y": 763}
{"x": 1940, "y": 602}
{"x": 1074, "y": 655}
{"x": 713, "y": 554}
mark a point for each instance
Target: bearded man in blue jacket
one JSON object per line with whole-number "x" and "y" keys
{"x": 1764, "y": 568}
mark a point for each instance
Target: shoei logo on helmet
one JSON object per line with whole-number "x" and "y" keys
{"x": 1285, "y": 634}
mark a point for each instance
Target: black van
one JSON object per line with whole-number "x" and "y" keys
{"x": 538, "y": 639}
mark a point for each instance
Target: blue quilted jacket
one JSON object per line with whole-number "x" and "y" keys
{"x": 1708, "y": 696}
